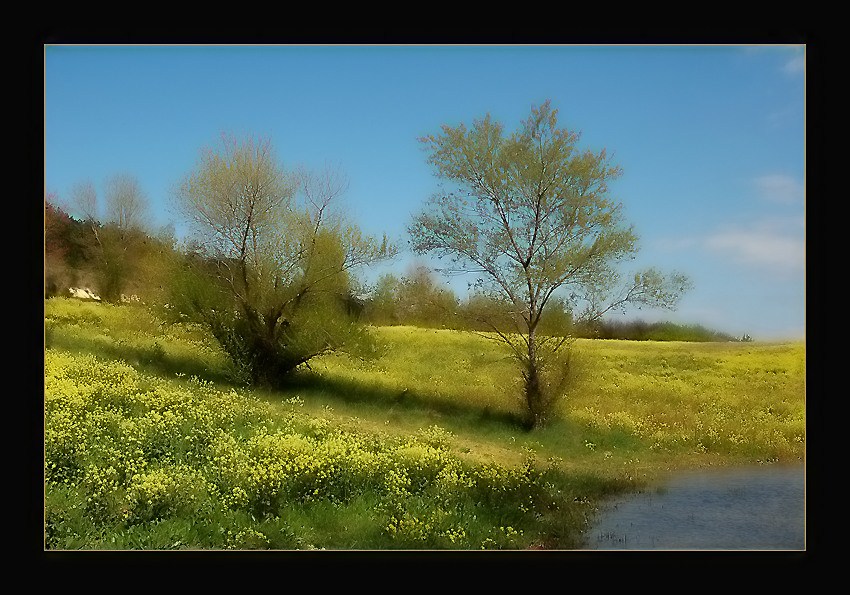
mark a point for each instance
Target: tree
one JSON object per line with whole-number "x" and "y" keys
{"x": 58, "y": 226}
{"x": 119, "y": 236}
{"x": 415, "y": 298}
{"x": 271, "y": 274}
{"x": 422, "y": 302}
{"x": 382, "y": 307}
{"x": 530, "y": 215}
{"x": 84, "y": 200}
{"x": 123, "y": 238}
{"x": 126, "y": 203}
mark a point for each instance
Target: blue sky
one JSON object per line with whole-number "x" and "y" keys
{"x": 711, "y": 140}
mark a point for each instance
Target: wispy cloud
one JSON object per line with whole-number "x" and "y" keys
{"x": 777, "y": 246}
{"x": 793, "y": 56}
{"x": 780, "y": 188}
{"x": 796, "y": 64}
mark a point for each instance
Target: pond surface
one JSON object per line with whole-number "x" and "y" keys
{"x": 749, "y": 508}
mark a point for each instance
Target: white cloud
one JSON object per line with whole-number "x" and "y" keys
{"x": 780, "y": 188}
{"x": 771, "y": 246}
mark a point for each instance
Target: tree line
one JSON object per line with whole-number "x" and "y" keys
{"x": 417, "y": 298}
{"x": 414, "y": 298}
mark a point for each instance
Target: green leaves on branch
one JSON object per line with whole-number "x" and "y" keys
{"x": 274, "y": 257}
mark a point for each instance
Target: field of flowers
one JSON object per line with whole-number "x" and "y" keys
{"x": 136, "y": 461}
{"x": 736, "y": 400}
{"x": 148, "y": 445}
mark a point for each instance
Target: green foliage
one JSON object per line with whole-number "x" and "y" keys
{"x": 116, "y": 243}
{"x": 413, "y": 299}
{"x": 382, "y": 307}
{"x": 390, "y": 303}
{"x": 270, "y": 276}
{"x": 68, "y": 249}
{"x": 416, "y": 299}
{"x": 116, "y": 258}
{"x": 530, "y": 215}
{"x": 115, "y": 264}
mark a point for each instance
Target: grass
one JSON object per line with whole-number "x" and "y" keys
{"x": 150, "y": 445}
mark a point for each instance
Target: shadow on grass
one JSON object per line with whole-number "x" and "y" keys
{"x": 407, "y": 400}
{"x": 155, "y": 360}
{"x": 561, "y": 434}
{"x": 170, "y": 366}
{"x": 151, "y": 360}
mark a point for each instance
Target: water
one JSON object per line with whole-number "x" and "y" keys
{"x": 751, "y": 508}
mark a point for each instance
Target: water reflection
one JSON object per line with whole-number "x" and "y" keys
{"x": 757, "y": 508}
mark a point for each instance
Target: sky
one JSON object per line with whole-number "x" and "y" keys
{"x": 711, "y": 140}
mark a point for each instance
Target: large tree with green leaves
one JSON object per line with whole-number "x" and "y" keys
{"x": 530, "y": 214}
{"x": 273, "y": 258}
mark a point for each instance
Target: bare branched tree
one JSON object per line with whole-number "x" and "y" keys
{"x": 84, "y": 200}
{"x": 126, "y": 203}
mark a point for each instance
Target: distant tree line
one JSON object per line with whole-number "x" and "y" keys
{"x": 418, "y": 299}
{"x": 640, "y": 330}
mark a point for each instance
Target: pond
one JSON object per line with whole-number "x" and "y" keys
{"x": 749, "y": 508}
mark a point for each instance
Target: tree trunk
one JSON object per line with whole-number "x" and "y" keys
{"x": 534, "y": 392}
{"x": 534, "y": 397}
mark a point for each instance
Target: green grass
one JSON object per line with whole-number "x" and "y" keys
{"x": 149, "y": 445}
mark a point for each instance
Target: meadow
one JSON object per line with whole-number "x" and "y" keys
{"x": 150, "y": 444}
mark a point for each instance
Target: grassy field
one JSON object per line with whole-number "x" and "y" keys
{"x": 148, "y": 445}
